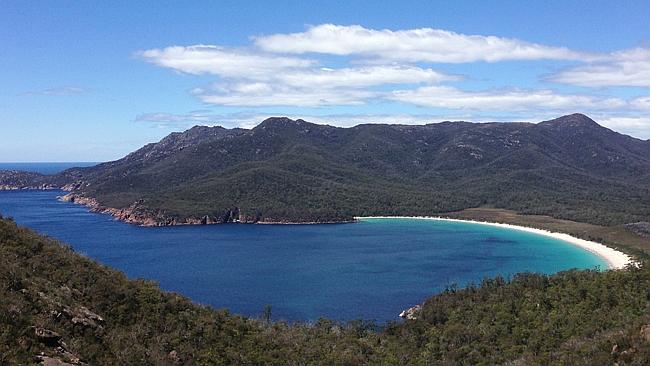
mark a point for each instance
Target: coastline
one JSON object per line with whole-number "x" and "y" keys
{"x": 135, "y": 215}
{"x": 614, "y": 258}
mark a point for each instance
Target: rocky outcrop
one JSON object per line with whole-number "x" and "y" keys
{"x": 645, "y": 333}
{"x": 411, "y": 313}
{"x": 48, "y": 337}
{"x": 174, "y": 358}
{"x": 78, "y": 316}
{"x": 84, "y": 317}
{"x": 51, "y": 361}
{"x": 133, "y": 214}
{"x": 59, "y": 349}
{"x": 137, "y": 213}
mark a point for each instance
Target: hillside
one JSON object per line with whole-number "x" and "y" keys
{"x": 287, "y": 170}
{"x": 58, "y": 305}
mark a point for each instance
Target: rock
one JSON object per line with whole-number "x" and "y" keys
{"x": 173, "y": 356}
{"x": 84, "y": 317}
{"x": 49, "y": 361}
{"x": 411, "y": 313}
{"x": 48, "y": 337}
{"x": 645, "y": 333}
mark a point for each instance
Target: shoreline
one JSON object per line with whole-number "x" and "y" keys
{"x": 614, "y": 258}
{"x": 132, "y": 215}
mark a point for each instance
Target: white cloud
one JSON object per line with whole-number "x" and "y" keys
{"x": 203, "y": 118}
{"x": 162, "y": 117}
{"x": 362, "y": 77}
{"x": 623, "y": 68}
{"x": 387, "y": 65}
{"x": 453, "y": 98}
{"x": 228, "y": 63}
{"x": 314, "y": 87}
{"x": 349, "y": 120}
{"x": 635, "y": 126}
{"x": 414, "y": 45}
{"x": 632, "y": 125}
{"x": 59, "y": 91}
{"x": 248, "y": 79}
{"x": 206, "y": 59}
{"x": 269, "y": 94}
{"x": 252, "y": 119}
{"x": 641, "y": 103}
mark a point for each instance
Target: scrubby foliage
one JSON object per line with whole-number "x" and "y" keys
{"x": 572, "y": 318}
{"x": 286, "y": 170}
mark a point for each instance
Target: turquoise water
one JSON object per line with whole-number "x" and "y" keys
{"x": 368, "y": 270}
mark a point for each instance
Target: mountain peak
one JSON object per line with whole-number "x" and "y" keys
{"x": 282, "y": 123}
{"x": 572, "y": 121}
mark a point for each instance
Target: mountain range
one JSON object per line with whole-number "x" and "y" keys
{"x": 286, "y": 170}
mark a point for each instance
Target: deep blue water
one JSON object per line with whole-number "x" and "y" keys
{"x": 370, "y": 270}
{"x": 44, "y": 168}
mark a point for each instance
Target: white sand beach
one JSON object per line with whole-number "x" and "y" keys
{"x": 614, "y": 258}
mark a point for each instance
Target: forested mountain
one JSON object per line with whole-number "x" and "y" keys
{"x": 287, "y": 170}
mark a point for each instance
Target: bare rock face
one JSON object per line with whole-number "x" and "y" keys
{"x": 50, "y": 361}
{"x": 57, "y": 360}
{"x": 174, "y": 358}
{"x": 48, "y": 337}
{"x": 645, "y": 333}
{"x": 78, "y": 316}
{"x": 86, "y": 318}
{"x": 411, "y": 313}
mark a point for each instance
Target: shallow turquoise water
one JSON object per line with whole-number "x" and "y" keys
{"x": 371, "y": 270}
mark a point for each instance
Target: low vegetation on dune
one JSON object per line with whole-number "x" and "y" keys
{"x": 56, "y": 304}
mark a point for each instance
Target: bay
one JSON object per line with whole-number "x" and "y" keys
{"x": 368, "y": 270}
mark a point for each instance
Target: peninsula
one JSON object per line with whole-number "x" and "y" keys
{"x": 293, "y": 171}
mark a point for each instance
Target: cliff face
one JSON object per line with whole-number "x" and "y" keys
{"x": 139, "y": 214}
{"x": 287, "y": 170}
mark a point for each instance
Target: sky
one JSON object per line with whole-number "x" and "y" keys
{"x": 93, "y": 81}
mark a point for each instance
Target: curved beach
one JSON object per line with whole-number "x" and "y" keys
{"x": 614, "y": 258}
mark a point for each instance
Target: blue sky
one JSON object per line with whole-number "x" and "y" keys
{"x": 92, "y": 81}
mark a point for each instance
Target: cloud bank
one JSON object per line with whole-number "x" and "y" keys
{"x": 413, "y": 45}
{"x": 328, "y": 67}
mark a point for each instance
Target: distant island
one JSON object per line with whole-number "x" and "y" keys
{"x": 293, "y": 171}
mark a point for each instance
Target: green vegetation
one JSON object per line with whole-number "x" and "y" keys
{"x": 65, "y": 306}
{"x": 285, "y": 170}
{"x": 621, "y": 237}
{"x": 99, "y": 316}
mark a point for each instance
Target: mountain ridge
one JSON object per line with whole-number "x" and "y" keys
{"x": 285, "y": 170}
